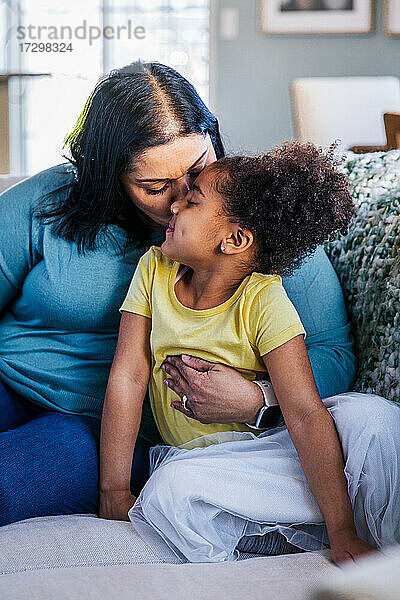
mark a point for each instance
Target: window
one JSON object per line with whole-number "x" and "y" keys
{"x": 177, "y": 34}
{"x": 98, "y": 35}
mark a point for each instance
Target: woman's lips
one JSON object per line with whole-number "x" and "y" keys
{"x": 170, "y": 230}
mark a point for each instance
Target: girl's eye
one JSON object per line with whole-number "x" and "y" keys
{"x": 155, "y": 192}
{"x": 188, "y": 201}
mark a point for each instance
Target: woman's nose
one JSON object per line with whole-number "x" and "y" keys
{"x": 180, "y": 188}
{"x": 174, "y": 208}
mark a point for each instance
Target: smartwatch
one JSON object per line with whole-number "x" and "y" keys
{"x": 270, "y": 413}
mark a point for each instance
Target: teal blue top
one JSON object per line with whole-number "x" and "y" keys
{"x": 59, "y": 314}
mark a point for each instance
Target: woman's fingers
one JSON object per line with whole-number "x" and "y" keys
{"x": 198, "y": 364}
{"x": 179, "y": 406}
{"x": 189, "y": 367}
{"x": 178, "y": 384}
{"x": 175, "y": 386}
{"x": 175, "y": 382}
{"x": 173, "y": 367}
{"x": 217, "y": 393}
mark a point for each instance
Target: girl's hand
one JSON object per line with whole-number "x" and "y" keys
{"x": 216, "y": 393}
{"x": 115, "y": 504}
{"x": 347, "y": 547}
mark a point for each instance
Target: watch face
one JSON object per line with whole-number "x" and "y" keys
{"x": 270, "y": 417}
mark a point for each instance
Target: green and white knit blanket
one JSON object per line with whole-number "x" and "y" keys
{"x": 367, "y": 261}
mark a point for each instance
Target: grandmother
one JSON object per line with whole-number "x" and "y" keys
{"x": 70, "y": 239}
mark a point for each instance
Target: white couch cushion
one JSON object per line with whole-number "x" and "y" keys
{"x": 82, "y": 556}
{"x": 373, "y": 577}
{"x": 72, "y": 540}
{"x": 292, "y": 577}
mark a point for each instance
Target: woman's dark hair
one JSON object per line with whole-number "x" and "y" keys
{"x": 136, "y": 107}
{"x": 291, "y": 199}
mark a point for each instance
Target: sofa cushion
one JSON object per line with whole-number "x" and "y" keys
{"x": 372, "y": 577}
{"x": 367, "y": 261}
{"x": 73, "y": 540}
{"x": 81, "y": 556}
{"x": 292, "y": 577}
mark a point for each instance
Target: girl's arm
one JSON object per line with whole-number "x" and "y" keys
{"x": 314, "y": 435}
{"x": 122, "y": 411}
{"x": 219, "y": 394}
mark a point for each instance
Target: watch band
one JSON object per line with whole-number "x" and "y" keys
{"x": 270, "y": 400}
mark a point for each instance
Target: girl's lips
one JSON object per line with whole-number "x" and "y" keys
{"x": 169, "y": 230}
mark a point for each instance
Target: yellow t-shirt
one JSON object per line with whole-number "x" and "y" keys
{"x": 256, "y": 319}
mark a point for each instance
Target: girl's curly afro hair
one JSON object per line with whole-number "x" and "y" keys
{"x": 292, "y": 199}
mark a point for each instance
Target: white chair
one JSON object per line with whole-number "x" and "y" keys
{"x": 346, "y": 108}
{"x": 7, "y": 181}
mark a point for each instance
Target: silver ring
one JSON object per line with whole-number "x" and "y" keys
{"x": 184, "y": 400}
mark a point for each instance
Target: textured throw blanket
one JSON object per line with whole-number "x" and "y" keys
{"x": 367, "y": 261}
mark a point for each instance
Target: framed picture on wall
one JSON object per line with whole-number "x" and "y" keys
{"x": 392, "y": 17}
{"x": 317, "y": 16}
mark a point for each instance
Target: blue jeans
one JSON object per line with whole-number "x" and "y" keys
{"x": 49, "y": 461}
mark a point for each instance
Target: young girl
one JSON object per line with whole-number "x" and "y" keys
{"x": 214, "y": 290}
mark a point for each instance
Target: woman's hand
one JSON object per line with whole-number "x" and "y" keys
{"x": 216, "y": 393}
{"x": 347, "y": 547}
{"x": 115, "y": 504}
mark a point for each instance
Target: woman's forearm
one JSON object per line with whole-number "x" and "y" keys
{"x": 321, "y": 458}
{"x": 120, "y": 423}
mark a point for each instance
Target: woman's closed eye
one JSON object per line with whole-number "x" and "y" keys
{"x": 155, "y": 192}
{"x": 151, "y": 192}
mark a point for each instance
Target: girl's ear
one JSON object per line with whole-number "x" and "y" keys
{"x": 238, "y": 241}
